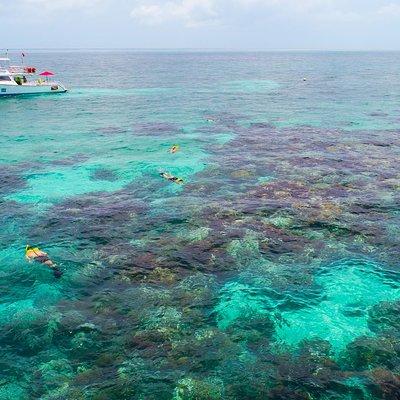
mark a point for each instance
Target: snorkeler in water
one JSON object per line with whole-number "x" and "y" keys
{"x": 171, "y": 178}
{"x": 35, "y": 254}
{"x": 174, "y": 149}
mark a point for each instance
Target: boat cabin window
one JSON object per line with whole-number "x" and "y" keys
{"x": 5, "y": 78}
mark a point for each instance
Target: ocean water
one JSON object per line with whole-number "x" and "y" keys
{"x": 271, "y": 273}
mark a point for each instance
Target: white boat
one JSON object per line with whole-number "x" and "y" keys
{"x": 22, "y": 80}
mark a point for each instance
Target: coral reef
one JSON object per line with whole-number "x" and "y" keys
{"x": 271, "y": 274}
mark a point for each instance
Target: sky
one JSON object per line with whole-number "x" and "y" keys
{"x": 201, "y": 24}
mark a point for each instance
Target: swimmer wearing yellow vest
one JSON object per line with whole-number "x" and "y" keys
{"x": 35, "y": 254}
{"x": 171, "y": 178}
{"x": 174, "y": 149}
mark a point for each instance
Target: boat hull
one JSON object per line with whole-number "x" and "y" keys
{"x": 14, "y": 90}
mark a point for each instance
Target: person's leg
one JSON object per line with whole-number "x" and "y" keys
{"x": 57, "y": 273}
{"x": 46, "y": 261}
{"x": 49, "y": 263}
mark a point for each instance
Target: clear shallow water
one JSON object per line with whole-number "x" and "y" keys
{"x": 272, "y": 273}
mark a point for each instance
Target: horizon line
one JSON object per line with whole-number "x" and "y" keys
{"x": 193, "y": 49}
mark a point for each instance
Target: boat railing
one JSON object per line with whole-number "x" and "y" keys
{"x": 20, "y": 69}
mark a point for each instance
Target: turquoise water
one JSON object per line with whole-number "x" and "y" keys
{"x": 271, "y": 273}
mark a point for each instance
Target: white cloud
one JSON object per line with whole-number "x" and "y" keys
{"x": 191, "y": 12}
{"x": 390, "y": 10}
{"x": 195, "y": 13}
{"x": 200, "y": 12}
{"x": 291, "y": 5}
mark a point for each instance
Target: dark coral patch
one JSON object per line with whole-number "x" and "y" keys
{"x": 97, "y": 218}
{"x": 111, "y": 130}
{"x": 385, "y": 317}
{"x": 76, "y": 159}
{"x": 154, "y": 129}
{"x": 10, "y": 180}
{"x": 104, "y": 174}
